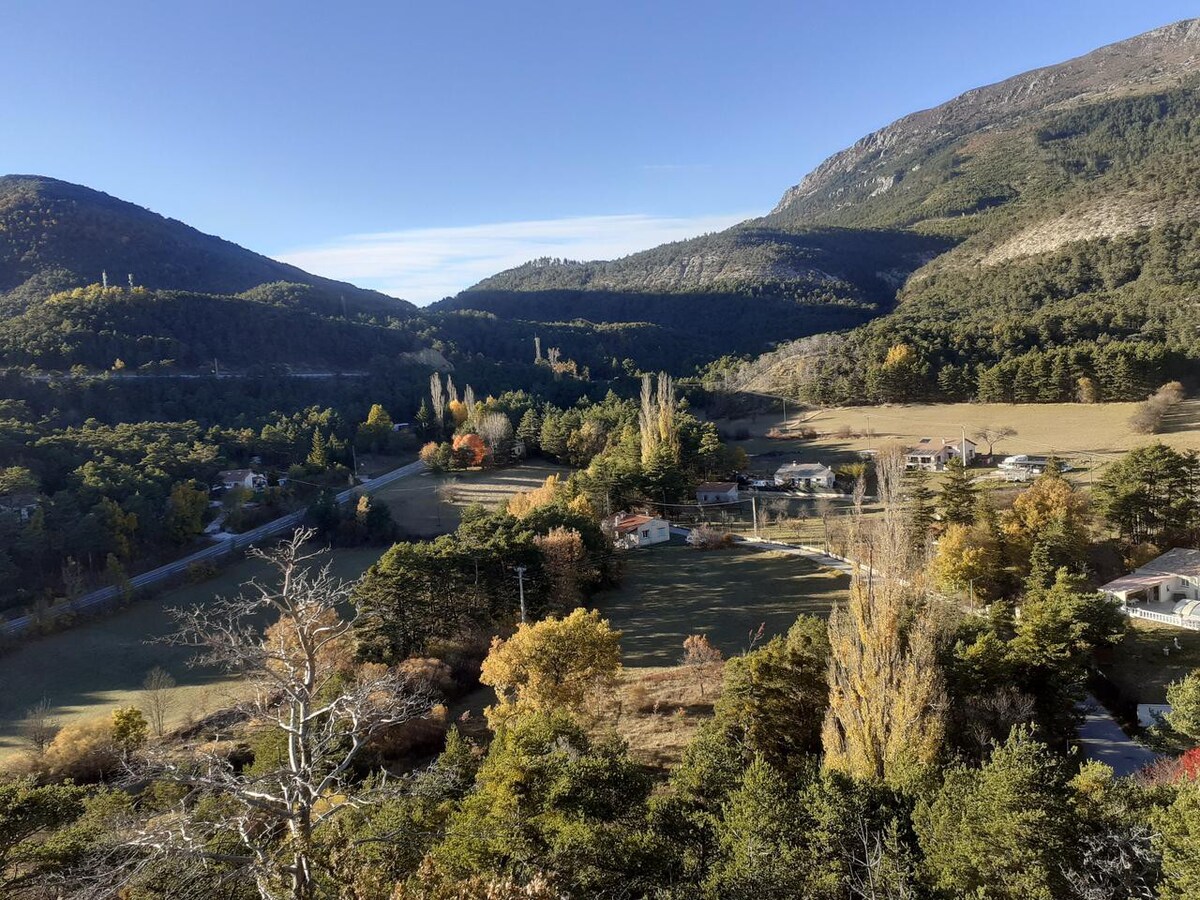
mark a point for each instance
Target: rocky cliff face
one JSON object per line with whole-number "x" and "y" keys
{"x": 1164, "y": 57}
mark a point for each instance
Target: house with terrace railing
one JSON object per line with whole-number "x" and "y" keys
{"x": 1166, "y": 589}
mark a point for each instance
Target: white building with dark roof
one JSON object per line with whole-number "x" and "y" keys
{"x": 717, "y": 492}
{"x": 932, "y": 456}
{"x": 805, "y": 475}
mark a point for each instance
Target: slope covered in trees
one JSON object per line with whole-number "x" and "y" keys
{"x": 1017, "y": 239}
{"x": 55, "y": 235}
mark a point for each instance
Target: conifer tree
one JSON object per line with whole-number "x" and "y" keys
{"x": 529, "y": 430}
{"x": 920, "y": 511}
{"x": 957, "y": 497}
{"x": 318, "y": 456}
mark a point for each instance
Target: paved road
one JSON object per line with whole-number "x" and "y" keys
{"x": 227, "y": 544}
{"x": 1102, "y": 739}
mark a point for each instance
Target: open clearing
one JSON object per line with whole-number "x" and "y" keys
{"x": 670, "y": 591}
{"x": 428, "y": 505}
{"x": 87, "y": 670}
{"x": 1140, "y": 668}
{"x": 1073, "y": 430}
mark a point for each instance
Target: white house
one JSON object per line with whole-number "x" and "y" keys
{"x": 241, "y": 478}
{"x": 22, "y": 505}
{"x": 717, "y": 492}
{"x": 804, "y": 475}
{"x": 1166, "y": 589}
{"x": 1150, "y": 714}
{"x": 633, "y": 530}
{"x": 931, "y": 456}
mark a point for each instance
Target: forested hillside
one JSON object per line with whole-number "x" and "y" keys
{"x": 737, "y": 291}
{"x": 1076, "y": 268}
{"x": 55, "y": 235}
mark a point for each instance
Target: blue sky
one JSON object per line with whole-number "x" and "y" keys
{"x": 416, "y": 147}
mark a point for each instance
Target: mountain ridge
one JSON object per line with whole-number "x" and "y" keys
{"x": 56, "y": 235}
{"x": 1176, "y": 45}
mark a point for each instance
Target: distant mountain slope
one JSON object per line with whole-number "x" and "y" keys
{"x": 737, "y": 291}
{"x": 1100, "y": 148}
{"x": 55, "y": 235}
{"x": 886, "y": 177}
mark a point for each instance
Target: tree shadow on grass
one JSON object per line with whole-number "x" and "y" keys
{"x": 672, "y": 591}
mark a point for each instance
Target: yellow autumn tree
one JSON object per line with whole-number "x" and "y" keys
{"x": 522, "y": 503}
{"x": 1051, "y": 502}
{"x": 967, "y": 559}
{"x": 554, "y": 664}
{"x": 886, "y": 690}
{"x": 458, "y": 411}
{"x": 565, "y": 565}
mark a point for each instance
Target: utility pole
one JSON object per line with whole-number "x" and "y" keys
{"x": 868, "y": 431}
{"x": 963, "y": 458}
{"x": 754, "y": 513}
{"x": 521, "y": 589}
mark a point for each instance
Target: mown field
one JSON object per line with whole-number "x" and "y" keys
{"x": 1141, "y": 669}
{"x": 428, "y": 505}
{"x": 1089, "y": 435}
{"x": 670, "y": 591}
{"x": 88, "y": 669}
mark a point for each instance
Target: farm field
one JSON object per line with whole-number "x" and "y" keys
{"x": 1075, "y": 431}
{"x": 87, "y": 670}
{"x": 428, "y": 504}
{"x": 670, "y": 591}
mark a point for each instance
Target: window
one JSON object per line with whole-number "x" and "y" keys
{"x": 646, "y": 532}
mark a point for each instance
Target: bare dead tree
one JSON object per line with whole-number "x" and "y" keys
{"x": 157, "y": 699}
{"x": 437, "y": 396}
{"x": 994, "y": 434}
{"x": 1117, "y": 861}
{"x": 304, "y": 687}
{"x": 878, "y": 865}
{"x": 38, "y": 727}
{"x": 495, "y": 428}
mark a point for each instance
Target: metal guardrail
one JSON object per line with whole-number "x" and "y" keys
{"x": 96, "y": 599}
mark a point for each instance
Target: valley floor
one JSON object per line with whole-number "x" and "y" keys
{"x": 1089, "y": 435}
{"x": 88, "y": 669}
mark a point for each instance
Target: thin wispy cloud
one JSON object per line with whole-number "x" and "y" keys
{"x": 427, "y": 264}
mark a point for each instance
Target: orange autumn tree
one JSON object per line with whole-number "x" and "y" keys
{"x": 471, "y": 448}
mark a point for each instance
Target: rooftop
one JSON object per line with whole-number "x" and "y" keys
{"x": 239, "y": 474}
{"x": 1180, "y": 561}
{"x": 717, "y": 487}
{"x": 631, "y": 522}
{"x": 803, "y": 467}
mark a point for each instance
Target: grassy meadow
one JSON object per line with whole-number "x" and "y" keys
{"x": 90, "y": 668}
{"x": 1140, "y": 668}
{"x": 428, "y": 505}
{"x": 670, "y": 591}
{"x": 1088, "y": 435}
